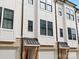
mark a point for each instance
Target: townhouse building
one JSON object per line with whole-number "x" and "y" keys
{"x": 38, "y": 29}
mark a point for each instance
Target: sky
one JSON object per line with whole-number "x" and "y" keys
{"x": 76, "y": 2}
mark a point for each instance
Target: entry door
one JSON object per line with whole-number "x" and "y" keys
{"x": 30, "y": 53}
{"x": 63, "y": 54}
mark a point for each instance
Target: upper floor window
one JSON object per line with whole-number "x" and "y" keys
{"x": 0, "y": 15}
{"x": 71, "y": 34}
{"x": 61, "y": 32}
{"x": 70, "y": 14}
{"x": 30, "y": 26}
{"x": 78, "y": 18}
{"x": 8, "y": 19}
{"x": 50, "y": 28}
{"x": 46, "y": 5}
{"x": 60, "y": 11}
{"x": 30, "y": 2}
{"x": 46, "y": 28}
{"x": 42, "y": 27}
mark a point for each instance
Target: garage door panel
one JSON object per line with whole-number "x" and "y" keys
{"x": 7, "y": 54}
{"x": 72, "y": 55}
{"x": 46, "y": 54}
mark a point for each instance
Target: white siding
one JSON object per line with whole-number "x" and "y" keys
{"x": 72, "y": 55}
{"x": 46, "y": 55}
{"x": 8, "y": 54}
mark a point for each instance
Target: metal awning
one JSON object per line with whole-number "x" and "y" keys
{"x": 63, "y": 45}
{"x": 31, "y": 42}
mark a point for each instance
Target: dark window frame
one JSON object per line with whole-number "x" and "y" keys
{"x": 42, "y": 27}
{"x": 30, "y": 2}
{"x": 50, "y": 28}
{"x": 30, "y": 26}
{"x": 61, "y": 32}
{"x": 71, "y": 35}
{"x": 8, "y": 19}
{"x": 46, "y": 5}
{"x": 0, "y": 15}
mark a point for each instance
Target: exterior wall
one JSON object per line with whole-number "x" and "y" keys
{"x": 10, "y": 46}
{"x": 48, "y": 52}
{"x": 48, "y": 16}
{"x": 15, "y": 32}
{"x": 72, "y": 24}
{"x": 60, "y": 20}
{"x": 29, "y": 14}
{"x": 63, "y": 22}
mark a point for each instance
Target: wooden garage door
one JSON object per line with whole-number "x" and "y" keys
{"x": 72, "y": 55}
{"x": 46, "y": 55}
{"x": 8, "y": 54}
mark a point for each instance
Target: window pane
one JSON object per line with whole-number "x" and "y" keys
{"x": 69, "y": 34}
{"x": 49, "y": 7}
{"x": 50, "y": 28}
{"x": 10, "y": 24}
{"x": 42, "y": 27}
{"x": 43, "y": 5}
{"x": 60, "y": 11}
{"x": 43, "y": 0}
{"x": 61, "y": 32}
{"x": 30, "y": 25}
{"x": 49, "y": 2}
{"x": 68, "y": 15}
{"x": 30, "y": 1}
{"x": 73, "y": 34}
{"x": 78, "y": 18}
{"x": 0, "y": 15}
{"x": 72, "y": 17}
{"x": 8, "y": 14}
{"x": 67, "y": 10}
{"x": 5, "y": 23}
{"x": 72, "y": 12}
{"x": 8, "y": 19}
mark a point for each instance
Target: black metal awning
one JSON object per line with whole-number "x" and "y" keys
{"x": 31, "y": 42}
{"x": 63, "y": 45}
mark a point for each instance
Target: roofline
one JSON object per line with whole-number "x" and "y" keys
{"x": 72, "y": 3}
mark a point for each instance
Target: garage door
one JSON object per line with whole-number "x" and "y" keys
{"x": 72, "y": 55}
{"x": 46, "y": 55}
{"x": 7, "y": 54}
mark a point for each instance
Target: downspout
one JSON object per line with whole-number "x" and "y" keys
{"x": 22, "y": 12}
{"x": 76, "y": 26}
{"x": 56, "y": 29}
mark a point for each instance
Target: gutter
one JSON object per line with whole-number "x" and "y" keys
{"x": 22, "y": 12}
{"x": 56, "y": 29}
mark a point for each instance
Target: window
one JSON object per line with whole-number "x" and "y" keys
{"x": 70, "y": 14}
{"x": 8, "y": 19}
{"x": 30, "y": 1}
{"x": 30, "y": 26}
{"x": 71, "y": 34}
{"x": 46, "y": 5}
{"x": 60, "y": 11}
{"x": 43, "y": 5}
{"x": 72, "y": 17}
{"x": 0, "y": 15}
{"x": 78, "y": 18}
{"x": 61, "y": 32}
{"x": 42, "y": 27}
{"x": 50, "y": 28}
{"x": 46, "y": 28}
